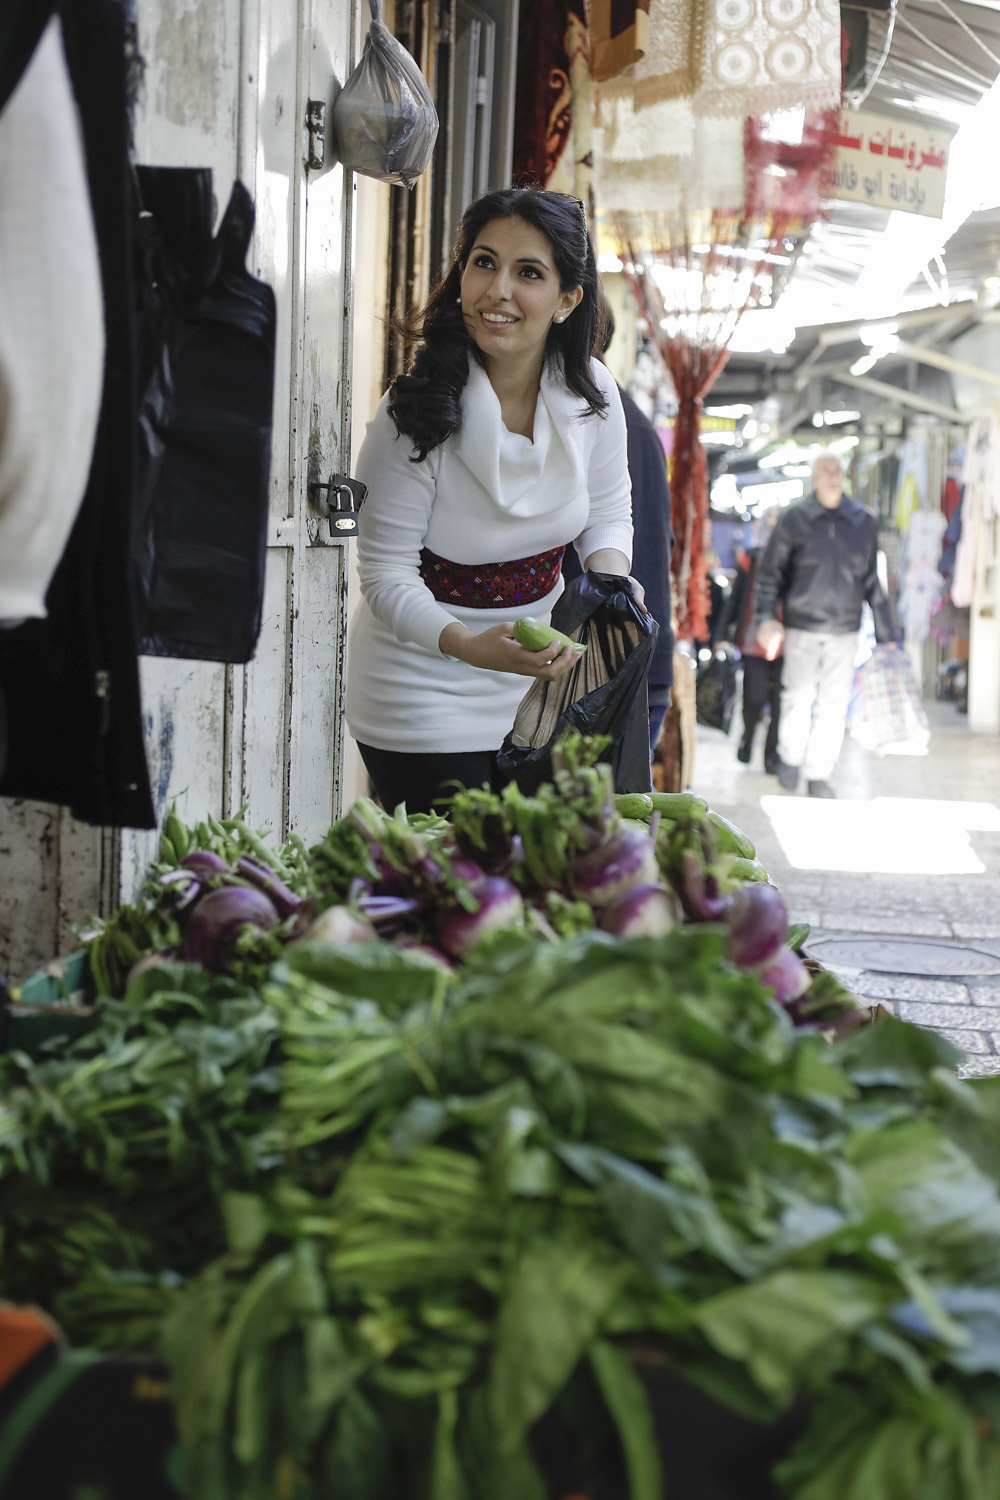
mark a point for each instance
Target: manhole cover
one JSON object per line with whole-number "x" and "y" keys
{"x": 894, "y": 955}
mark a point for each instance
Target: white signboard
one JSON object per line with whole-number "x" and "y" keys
{"x": 890, "y": 163}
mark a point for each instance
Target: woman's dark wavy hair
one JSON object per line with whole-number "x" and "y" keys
{"x": 426, "y": 402}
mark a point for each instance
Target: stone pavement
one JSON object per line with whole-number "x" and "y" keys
{"x": 910, "y": 850}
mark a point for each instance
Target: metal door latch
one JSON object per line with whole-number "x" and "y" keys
{"x": 316, "y": 126}
{"x": 341, "y": 502}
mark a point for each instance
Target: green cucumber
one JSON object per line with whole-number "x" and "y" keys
{"x": 674, "y": 805}
{"x": 535, "y": 635}
{"x": 634, "y": 805}
{"x": 731, "y": 840}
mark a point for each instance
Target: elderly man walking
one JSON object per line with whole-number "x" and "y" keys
{"x": 817, "y": 571}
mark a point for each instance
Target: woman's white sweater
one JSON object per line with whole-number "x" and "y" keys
{"x": 485, "y": 495}
{"x": 51, "y": 328}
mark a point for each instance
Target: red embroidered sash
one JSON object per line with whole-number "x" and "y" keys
{"x": 491, "y": 585}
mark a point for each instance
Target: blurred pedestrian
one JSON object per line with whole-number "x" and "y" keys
{"x": 761, "y": 672}
{"x": 819, "y": 568}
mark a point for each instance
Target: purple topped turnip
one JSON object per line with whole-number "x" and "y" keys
{"x": 339, "y": 924}
{"x": 757, "y": 923}
{"x": 644, "y": 911}
{"x": 219, "y": 918}
{"x": 604, "y": 873}
{"x": 786, "y": 975}
{"x": 498, "y": 906}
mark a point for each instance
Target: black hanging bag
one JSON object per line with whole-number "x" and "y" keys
{"x": 206, "y": 386}
{"x": 605, "y": 693}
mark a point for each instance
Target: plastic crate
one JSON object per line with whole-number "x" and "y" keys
{"x": 53, "y": 1002}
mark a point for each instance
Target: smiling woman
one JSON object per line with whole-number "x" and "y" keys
{"x": 503, "y": 444}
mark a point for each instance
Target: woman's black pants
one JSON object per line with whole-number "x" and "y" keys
{"x": 425, "y": 782}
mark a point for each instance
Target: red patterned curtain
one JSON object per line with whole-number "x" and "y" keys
{"x": 543, "y": 118}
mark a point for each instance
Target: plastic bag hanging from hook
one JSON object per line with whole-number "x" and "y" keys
{"x": 384, "y": 118}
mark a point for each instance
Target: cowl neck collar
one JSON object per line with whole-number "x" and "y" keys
{"x": 523, "y": 476}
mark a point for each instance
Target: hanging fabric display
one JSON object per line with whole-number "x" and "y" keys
{"x": 619, "y": 35}
{"x": 734, "y": 58}
{"x": 758, "y": 56}
{"x": 554, "y": 117}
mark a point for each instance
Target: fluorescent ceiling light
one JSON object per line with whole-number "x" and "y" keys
{"x": 865, "y": 363}
{"x": 725, "y": 492}
{"x": 775, "y": 492}
{"x": 833, "y": 418}
{"x": 876, "y": 334}
{"x": 763, "y": 331}
{"x": 741, "y": 409}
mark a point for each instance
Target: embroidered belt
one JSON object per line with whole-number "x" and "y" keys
{"x": 490, "y": 585}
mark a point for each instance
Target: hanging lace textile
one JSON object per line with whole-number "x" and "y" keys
{"x": 735, "y": 58}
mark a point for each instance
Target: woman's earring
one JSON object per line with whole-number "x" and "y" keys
{"x": 559, "y": 317}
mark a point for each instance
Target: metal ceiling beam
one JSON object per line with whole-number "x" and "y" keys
{"x": 940, "y": 361}
{"x": 900, "y": 397}
{"x": 849, "y": 333}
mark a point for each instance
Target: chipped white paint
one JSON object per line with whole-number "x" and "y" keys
{"x": 226, "y": 87}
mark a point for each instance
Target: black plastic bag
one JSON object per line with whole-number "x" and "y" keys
{"x": 715, "y": 690}
{"x": 385, "y": 120}
{"x": 605, "y": 693}
{"x": 206, "y": 385}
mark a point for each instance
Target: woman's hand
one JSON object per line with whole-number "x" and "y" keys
{"x": 608, "y": 560}
{"x": 638, "y": 594}
{"x": 495, "y": 650}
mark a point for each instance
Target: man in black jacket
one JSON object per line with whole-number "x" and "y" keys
{"x": 820, "y": 566}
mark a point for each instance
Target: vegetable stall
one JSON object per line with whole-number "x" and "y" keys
{"x": 453, "y": 1157}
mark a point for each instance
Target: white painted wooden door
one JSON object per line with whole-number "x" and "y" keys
{"x": 226, "y": 86}
{"x": 229, "y": 84}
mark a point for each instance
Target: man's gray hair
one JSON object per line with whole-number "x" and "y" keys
{"x": 824, "y": 454}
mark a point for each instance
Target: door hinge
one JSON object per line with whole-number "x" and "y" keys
{"x": 341, "y": 502}
{"x": 316, "y": 128}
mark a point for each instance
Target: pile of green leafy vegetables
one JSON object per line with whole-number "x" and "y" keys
{"x": 571, "y": 858}
{"x": 381, "y": 1217}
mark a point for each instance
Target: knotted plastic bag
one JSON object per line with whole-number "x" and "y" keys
{"x": 605, "y": 693}
{"x": 384, "y": 118}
